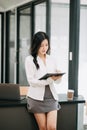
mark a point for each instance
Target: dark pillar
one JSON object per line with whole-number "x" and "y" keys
{"x": 74, "y": 44}
{"x": 48, "y": 17}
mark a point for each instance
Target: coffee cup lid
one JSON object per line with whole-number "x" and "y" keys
{"x": 70, "y": 90}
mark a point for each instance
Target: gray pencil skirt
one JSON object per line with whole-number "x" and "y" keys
{"x": 47, "y": 105}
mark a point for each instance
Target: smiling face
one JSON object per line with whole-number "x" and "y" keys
{"x": 43, "y": 48}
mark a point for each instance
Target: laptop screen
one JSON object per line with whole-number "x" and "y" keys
{"x": 9, "y": 91}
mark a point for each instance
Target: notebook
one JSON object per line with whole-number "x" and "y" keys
{"x": 10, "y": 91}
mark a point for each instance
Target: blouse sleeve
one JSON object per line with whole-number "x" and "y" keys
{"x": 30, "y": 71}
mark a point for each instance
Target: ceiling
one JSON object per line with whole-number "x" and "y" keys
{"x": 10, "y": 4}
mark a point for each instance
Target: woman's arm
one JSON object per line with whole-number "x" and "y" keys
{"x": 30, "y": 72}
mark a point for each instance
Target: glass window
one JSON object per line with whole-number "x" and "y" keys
{"x": 82, "y": 87}
{"x": 11, "y": 43}
{"x": 24, "y": 42}
{"x": 40, "y": 17}
{"x": 0, "y": 48}
{"x": 60, "y": 39}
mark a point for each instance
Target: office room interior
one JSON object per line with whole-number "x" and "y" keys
{"x": 65, "y": 22}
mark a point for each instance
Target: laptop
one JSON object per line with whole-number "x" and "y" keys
{"x": 10, "y": 91}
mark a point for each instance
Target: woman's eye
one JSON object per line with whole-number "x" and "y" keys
{"x": 41, "y": 46}
{"x": 44, "y": 45}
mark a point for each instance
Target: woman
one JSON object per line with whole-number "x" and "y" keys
{"x": 42, "y": 98}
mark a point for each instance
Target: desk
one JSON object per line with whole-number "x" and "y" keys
{"x": 14, "y": 115}
{"x": 70, "y": 117}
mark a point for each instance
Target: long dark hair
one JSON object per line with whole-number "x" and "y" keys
{"x": 35, "y": 45}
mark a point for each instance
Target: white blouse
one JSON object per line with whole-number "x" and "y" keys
{"x": 37, "y": 87}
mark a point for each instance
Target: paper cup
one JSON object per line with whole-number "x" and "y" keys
{"x": 70, "y": 94}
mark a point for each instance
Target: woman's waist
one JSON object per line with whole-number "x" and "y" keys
{"x": 40, "y": 92}
{"x": 36, "y": 92}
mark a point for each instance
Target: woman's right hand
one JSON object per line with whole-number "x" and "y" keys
{"x": 56, "y": 77}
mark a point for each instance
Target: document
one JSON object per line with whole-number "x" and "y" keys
{"x": 51, "y": 74}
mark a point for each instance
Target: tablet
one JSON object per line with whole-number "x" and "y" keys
{"x": 51, "y": 74}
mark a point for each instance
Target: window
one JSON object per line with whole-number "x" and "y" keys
{"x": 0, "y": 48}
{"x": 24, "y": 42}
{"x": 82, "y": 83}
{"x": 60, "y": 39}
{"x": 40, "y": 17}
{"x": 11, "y": 46}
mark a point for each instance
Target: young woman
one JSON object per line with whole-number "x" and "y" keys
{"x": 42, "y": 97}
